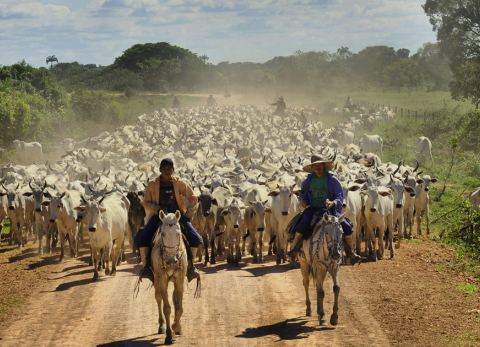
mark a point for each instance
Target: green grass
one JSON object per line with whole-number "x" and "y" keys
{"x": 467, "y": 288}
{"x": 466, "y": 339}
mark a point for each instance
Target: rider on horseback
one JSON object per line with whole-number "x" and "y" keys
{"x": 167, "y": 193}
{"x": 321, "y": 192}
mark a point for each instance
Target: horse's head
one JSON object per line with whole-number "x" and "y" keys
{"x": 333, "y": 234}
{"x": 170, "y": 237}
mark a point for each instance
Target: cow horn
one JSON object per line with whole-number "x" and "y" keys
{"x": 101, "y": 200}
{"x": 4, "y": 187}
{"x": 30, "y": 185}
{"x": 18, "y": 185}
{"x": 98, "y": 179}
{"x": 398, "y": 168}
{"x": 44, "y": 184}
{"x": 83, "y": 198}
{"x": 416, "y": 167}
{"x": 283, "y": 166}
{"x": 263, "y": 159}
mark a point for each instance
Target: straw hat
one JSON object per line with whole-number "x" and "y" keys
{"x": 319, "y": 159}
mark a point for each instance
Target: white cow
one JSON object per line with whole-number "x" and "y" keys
{"x": 398, "y": 189}
{"x": 424, "y": 150}
{"x": 422, "y": 201}
{"x": 28, "y": 152}
{"x": 16, "y": 214}
{"x": 107, "y": 221}
{"x": 234, "y": 230}
{"x": 474, "y": 198}
{"x": 352, "y": 209}
{"x": 371, "y": 143}
{"x": 63, "y": 214}
{"x": 409, "y": 207}
{"x": 284, "y": 206}
{"x": 378, "y": 216}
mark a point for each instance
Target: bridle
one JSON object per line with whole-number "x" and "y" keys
{"x": 171, "y": 255}
{"x": 334, "y": 245}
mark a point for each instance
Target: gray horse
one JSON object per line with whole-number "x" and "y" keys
{"x": 322, "y": 254}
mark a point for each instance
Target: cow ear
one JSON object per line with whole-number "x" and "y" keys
{"x": 419, "y": 181}
{"x": 354, "y": 188}
{"x": 268, "y": 210}
{"x": 161, "y": 215}
{"x": 385, "y": 193}
{"x": 225, "y": 212}
{"x": 296, "y": 192}
{"x": 265, "y": 202}
{"x": 214, "y": 202}
{"x": 3, "y": 194}
{"x": 360, "y": 180}
{"x": 102, "y": 209}
{"x": 273, "y": 193}
{"x": 433, "y": 180}
{"x": 251, "y": 202}
{"x": 78, "y": 208}
{"x": 141, "y": 193}
{"x": 28, "y": 194}
{"x": 364, "y": 193}
{"x": 408, "y": 189}
{"x": 45, "y": 203}
{"x": 47, "y": 195}
{"x": 178, "y": 215}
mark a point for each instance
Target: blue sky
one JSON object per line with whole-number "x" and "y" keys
{"x": 97, "y": 31}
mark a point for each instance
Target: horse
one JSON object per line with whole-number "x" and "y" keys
{"x": 322, "y": 253}
{"x": 169, "y": 264}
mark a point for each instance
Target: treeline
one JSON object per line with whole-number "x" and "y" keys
{"x": 166, "y": 68}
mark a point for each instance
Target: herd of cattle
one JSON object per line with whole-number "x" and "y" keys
{"x": 245, "y": 165}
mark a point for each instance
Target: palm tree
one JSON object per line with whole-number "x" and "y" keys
{"x": 50, "y": 59}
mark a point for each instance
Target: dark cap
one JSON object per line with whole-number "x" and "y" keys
{"x": 166, "y": 162}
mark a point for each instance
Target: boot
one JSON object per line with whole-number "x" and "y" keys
{"x": 295, "y": 246}
{"x": 146, "y": 271}
{"x": 350, "y": 250}
{"x": 192, "y": 272}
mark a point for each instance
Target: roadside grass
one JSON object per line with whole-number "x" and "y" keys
{"x": 467, "y": 339}
{"x": 468, "y": 288}
{"x": 413, "y": 241}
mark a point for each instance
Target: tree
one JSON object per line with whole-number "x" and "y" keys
{"x": 466, "y": 85}
{"x": 344, "y": 53}
{"x": 51, "y": 59}
{"x": 402, "y": 73}
{"x": 434, "y": 66}
{"x": 457, "y": 24}
{"x": 403, "y": 53}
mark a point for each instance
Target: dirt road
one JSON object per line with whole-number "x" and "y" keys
{"x": 254, "y": 305}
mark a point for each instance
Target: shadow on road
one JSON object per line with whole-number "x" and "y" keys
{"x": 268, "y": 269}
{"x": 289, "y": 329}
{"x": 52, "y": 259}
{"x": 65, "y": 286}
{"x": 135, "y": 342}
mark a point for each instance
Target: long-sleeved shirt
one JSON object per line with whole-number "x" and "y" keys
{"x": 335, "y": 192}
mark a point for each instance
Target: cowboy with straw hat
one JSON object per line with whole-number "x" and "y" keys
{"x": 321, "y": 192}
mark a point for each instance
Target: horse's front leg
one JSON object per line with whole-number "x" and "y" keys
{"x": 305, "y": 268}
{"x": 336, "y": 293}
{"x": 166, "y": 311}
{"x": 320, "y": 273}
{"x": 178, "y": 304}
{"x": 158, "y": 297}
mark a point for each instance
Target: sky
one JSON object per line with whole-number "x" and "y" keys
{"x": 97, "y": 31}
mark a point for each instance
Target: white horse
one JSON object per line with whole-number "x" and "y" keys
{"x": 169, "y": 264}
{"x": 322, "y": 255}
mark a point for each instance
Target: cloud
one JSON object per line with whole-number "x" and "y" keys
{"x": 32, "y": 10}
{"x": 97, "y": 31}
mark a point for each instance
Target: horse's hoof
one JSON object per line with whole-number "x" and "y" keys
{"x": 333, "y": 320}
{"x": 308, "y": 313}
{"x": 323, "y": 322}
{"x": 177, "y": 329}
{"x": 107, "y": 272}
{"x": 162, "y": 330}
{"x": 169, "y": 340}
{"x": 95, "y": 276}
{"x": 113, "y": 273}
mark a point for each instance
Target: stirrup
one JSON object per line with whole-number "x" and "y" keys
{"x": 146, "y": 272}
{"x": 192, "y": 273}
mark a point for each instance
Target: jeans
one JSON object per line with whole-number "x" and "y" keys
{"x": 145, "y": 235}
